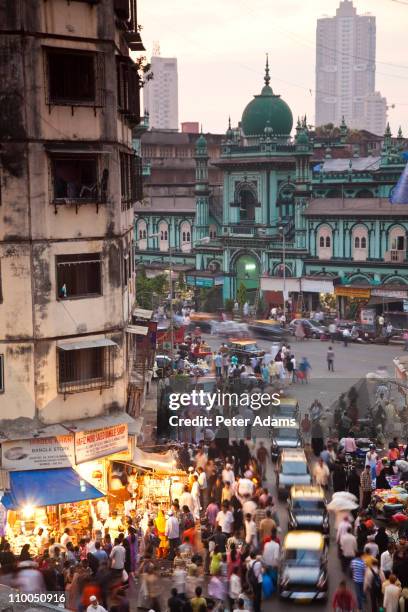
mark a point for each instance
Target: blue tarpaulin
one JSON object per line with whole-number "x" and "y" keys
{"x": 399, "y": 194}
{"x": 47, "y": 488}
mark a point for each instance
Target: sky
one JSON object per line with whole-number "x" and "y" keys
{"x": 220, "y": 46}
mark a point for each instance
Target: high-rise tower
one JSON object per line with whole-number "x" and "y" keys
{"x": 161, "y": 94}
{"x": 345, "y": 70}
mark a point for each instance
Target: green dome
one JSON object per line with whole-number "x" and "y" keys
{"x": 267, "y": 107}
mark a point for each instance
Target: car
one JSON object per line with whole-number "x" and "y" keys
{"x": 201, "y": 320}
{"x": 292, "y": 468}
{"x": 303, "y": 576}
{"x": 244, "y": 349}
{"x": 229, "y": 328}
{"x": 284, "y": 437}
{"x": 267, "y": 328}
{"x": 288, "y": 408}
{"x": 307, "y": 509}
{"x": 312, "y": 329}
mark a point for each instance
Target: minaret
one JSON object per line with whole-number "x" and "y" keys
{"x": 303, "y": 154}
{"x": 202, "y": 191}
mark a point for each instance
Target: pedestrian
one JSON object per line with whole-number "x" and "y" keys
{"x": 306, "y": 426}
{"x": 218, "y": 364}
{"x": 358, "y": 570}
{"x": 234, "y": 587}
{"x": 348, "y": 547}
{"x": 372, "y": 585}
{"x": 343, "y": 599}
{"x": 304, "y": 370}
{"x": 172, "y": 533}
{"x": 346, "y": 336}
{"x": 330, "y": 359}
{"x": 94, "y": 605}
{"x": 321, "y": 474}
{"x": 392, "y": 594}
{"x": 261, "y": 455}
{"x": 332, "y": 332}
{"x": 366, "y": 487}
{"x": 254, "y": 576}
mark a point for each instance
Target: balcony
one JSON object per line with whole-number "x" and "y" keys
{"x": 77, "y": 180}
{"x": 395, "y": 256}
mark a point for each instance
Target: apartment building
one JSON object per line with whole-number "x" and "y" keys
{"x": 69, "y": 182}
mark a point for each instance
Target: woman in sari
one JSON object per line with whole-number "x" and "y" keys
{"x": 160, "y": 524}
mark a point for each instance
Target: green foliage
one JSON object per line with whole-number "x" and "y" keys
{"x": 147, "y": 287}
{"x": 242, "y": 294}
{"x": 181, "y": 283}
{"x": 229, "y": 305}
{"x": 210, "y": 299}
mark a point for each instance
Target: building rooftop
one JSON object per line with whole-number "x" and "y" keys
{"x": 368, "y": 207}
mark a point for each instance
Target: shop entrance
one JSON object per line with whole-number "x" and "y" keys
{"x": 248, "y": 274}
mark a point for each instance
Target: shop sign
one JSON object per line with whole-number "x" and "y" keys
{"x": 97, "y": 443}
{"x": 200, "y": 281}
{"x": 352, "y": 292}
{"x": 367, "y": 316}
{"x": 390, "y": 293}
{"x": 126, "y": 455}
{"x": 38, "y": 453}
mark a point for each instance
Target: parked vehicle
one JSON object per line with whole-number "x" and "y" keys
{"x": 303, "y": 571}
{"x": 288, "y": 408}
{"x": 229, "y": 328}
{"x": 311, "y": 328}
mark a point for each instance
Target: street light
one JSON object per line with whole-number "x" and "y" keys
{"x": 282, "y": 231}
{"x": 204, "y": 240}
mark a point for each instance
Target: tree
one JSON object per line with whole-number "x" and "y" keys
{"x": 242, "y": 294}
{"x": 147, "y": 287}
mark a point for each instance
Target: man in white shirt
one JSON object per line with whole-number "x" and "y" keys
{"x": 387, "y": 559}
{"x": 66, "y": 537}
{"x": 249, "y": 506}
{"x": 256, "y": 564}
{"x": 245, "y": 487}
{"x": 321, "y": 474}
{"x": 271, "y": 555}
{"x": 94, "y": 605}
{"x": 251, "y": 535}
{"x": 202, "y": 482}
{"x": 117, "y": 558}
{"x": 342, "y": 528}
{"x": 225, "y": 519}
{"x": 113, "y": 525}
{"x": 348, "y": 547}
{"x": 102, "y": 509}
{"x": 228, "y": 474}
{"x": 172, "y": 532}
{"x": 186, "y": 499}
{"x": 130, "y": 504}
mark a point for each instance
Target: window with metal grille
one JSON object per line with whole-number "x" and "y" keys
{"x": 75, "y": 78}
{"x": 131, "y": 173}
{"x": 85, "y": 369}
{"x": 1, "y": 373}
{"x": 75, "y": 179}
{"x": 128, "y": 89}
{"x": 79, "y": 275}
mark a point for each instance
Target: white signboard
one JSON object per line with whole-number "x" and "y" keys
{"x": 38, "y": 453}
{"x": 367, "y": 316}
{"x": 97, "y": 443}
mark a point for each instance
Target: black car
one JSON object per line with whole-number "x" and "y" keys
{"x": 244, "y": 350}
{"x": 307, "y": 509}
{"x": 267, "y": 328}
{"x": 311, "y": 328}
{"x": 284, "y": 437}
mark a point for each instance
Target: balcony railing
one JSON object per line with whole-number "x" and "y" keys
{"x": 395, "y": 256}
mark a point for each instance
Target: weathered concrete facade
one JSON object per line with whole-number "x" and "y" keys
{"x": 68, "y": 186}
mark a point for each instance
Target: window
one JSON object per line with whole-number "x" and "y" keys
{"x": 131, "y": 171}
{"x": 324, "y": 240}
{"x": 85, "y": 369}
{"x": 141, "y": 234}
{"x": 163, "y": 236}
{"x": 75, "y": 78}
{"x": 128, "y": 89}
{"x": 359, "y": 243}
{"x": 79, "y": 275}
{"x": 75, "y": 179}
{"x": 1, "y": 373}
{"x": 185, "y": 236}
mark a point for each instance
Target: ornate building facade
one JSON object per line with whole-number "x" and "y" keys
{"x": 296, "y": 219}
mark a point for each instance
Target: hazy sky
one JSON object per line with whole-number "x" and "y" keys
{"x": 220, "y": 46}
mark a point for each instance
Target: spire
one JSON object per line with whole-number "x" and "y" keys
{"x": 267, "y": 78}
{"x": 387, "y": 130}
{"x": 304, "y": 123}
{"x": 229, "y": 122}
{"x": 400, "y": 133}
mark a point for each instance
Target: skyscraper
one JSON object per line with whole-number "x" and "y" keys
{"x": 345, "y": 70}
{"x": 161, "y": 94}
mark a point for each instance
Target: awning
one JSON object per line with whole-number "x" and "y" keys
{"x": 47, "y": 488}
{"x": 85, "y": 344}
{"x": 165, "y": 462}
{"x": 142, "y": 313}
{"x": 137, "y": 329}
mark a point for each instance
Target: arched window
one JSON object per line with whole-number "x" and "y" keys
{"x": 213, "y": 232}
{"x": 359, "y": 241}
{"x": 164, "y": 236}
{"x": 141, "y": 235}
{"x": 397, "y": 239}
{"x": 324, "y": 240}
{"x": 185, "y": 236}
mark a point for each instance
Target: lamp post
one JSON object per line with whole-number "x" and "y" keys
{"x": 206, "y": 239}
{"x": 282, "y": 230}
